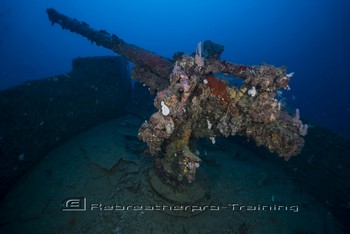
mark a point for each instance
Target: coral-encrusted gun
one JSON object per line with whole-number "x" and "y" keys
{"x": 193, "y": 102}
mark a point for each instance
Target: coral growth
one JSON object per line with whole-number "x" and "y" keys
{"x": 302, "y": 128}
{"x": 200, "y": 105}
{"x": 218, "y": 88}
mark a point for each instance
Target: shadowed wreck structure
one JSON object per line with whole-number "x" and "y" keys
{"x": 196, "y": 98}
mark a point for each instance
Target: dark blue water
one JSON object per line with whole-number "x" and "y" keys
{"x": 310, "y": 37}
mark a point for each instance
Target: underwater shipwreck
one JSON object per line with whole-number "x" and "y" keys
{"x": 197, "y": 98}
{"x": 192, "y": 103}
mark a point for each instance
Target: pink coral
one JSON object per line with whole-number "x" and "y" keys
{"x": 302, "y": 128}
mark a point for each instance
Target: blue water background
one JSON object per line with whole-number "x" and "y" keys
{"x": 310, "y": 37}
